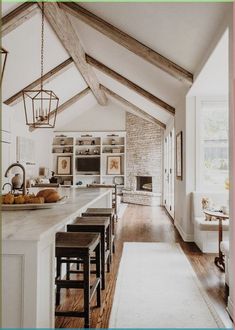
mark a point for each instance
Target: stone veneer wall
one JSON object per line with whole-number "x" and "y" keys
{"x": 144, "y": 152}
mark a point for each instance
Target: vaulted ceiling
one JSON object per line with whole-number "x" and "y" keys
{"x": 141, "y": 55}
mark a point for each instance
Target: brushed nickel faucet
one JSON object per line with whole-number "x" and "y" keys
{"x": 24, "y": 174}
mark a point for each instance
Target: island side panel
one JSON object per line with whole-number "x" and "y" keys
{"x": 19, "y": 284}
{"x": 29, "y": 272}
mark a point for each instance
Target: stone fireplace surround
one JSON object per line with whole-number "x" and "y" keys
{"x": 142, "y": 197}
{"x": 144, "y": 158}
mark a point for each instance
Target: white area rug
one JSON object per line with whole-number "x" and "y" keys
{"x": 157, "y": 288}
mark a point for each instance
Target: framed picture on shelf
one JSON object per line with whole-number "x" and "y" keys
{"x": 64, "y": 165}
{"x": 113, "y": 164}
{"x": 179, "y": 156}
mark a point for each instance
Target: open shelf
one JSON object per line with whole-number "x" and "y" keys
{"x": 87, "y": 145}
{"x": 112, "y": 153}
{"x": 84, "y": 156}
{"x": 63, "y": 153}
{"x": 62, "y": 145}
{"x": 63, "y": 174}
{"x": 78, "y": 143}
{"x": 87, "y": 175}
{"x": 113, "y": 145}
{"x": 113, "y": 175}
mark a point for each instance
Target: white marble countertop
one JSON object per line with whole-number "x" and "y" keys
{"x": 32, "y": 225}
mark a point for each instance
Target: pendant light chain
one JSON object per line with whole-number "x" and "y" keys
{"x": 42, "y": 45}
{"x": 40, "y": 105}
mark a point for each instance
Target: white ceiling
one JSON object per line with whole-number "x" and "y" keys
{"x": 128, "y": 64}
{"x": 211, "y": 81}
{"x": 180, "y": 31}
{"x": 23, "y": 63}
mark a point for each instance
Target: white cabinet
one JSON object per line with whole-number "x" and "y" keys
{"x": 95, "y": 157}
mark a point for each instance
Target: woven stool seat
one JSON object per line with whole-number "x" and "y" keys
{"x": 99, "y": 225}
{"x": 103, "y": 212}
{"x": 100, "y": 210}
{"x": 102, "y": 221}
{"x": 81, "y": 246}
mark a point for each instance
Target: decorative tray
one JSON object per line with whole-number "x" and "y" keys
{"x": 18, "y": 207}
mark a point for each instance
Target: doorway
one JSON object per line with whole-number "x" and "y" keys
{"x": 169, "y": 168}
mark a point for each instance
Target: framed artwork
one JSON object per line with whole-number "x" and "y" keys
{"x": 179, "y": 156}
{"x": 113, "y": 164}
{"x": 64, "y": 165}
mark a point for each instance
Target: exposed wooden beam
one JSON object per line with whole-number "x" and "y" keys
{"x": 69, "y": 39}
{"x": 18, "y": 16}
{"x": 113, "y": 74}
{"x": 128, "y": 42}
{"x": 67, "y": 104}
{"x": 50, "y": 75}
{"x": 134, "y": 108}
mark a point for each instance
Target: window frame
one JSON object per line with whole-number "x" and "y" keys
{"x": 216, "y": 100}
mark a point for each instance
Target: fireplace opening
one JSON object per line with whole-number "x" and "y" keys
{"x": 144, "y": 183}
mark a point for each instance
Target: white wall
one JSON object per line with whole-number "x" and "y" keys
{"x": 209, "y": 82}
{"x": 232, "y": 166}
{"x": 109, "y": 118}
{"x": 13, "y": 120}
{"x": 180, "y": 185}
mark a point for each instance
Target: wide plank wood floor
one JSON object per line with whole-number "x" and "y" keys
{"x": 146, "y": 224}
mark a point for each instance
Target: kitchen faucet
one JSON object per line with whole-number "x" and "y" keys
{"x": 7, "y": 184}
{"x": 24, "y": 176}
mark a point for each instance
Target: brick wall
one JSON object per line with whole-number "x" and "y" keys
{"x": 144, "y": 151}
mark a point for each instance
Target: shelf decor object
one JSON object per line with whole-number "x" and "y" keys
{"x": 4, "y": 54}
{"x": 63, "y": 165}
{"x": 113, "y": 165}
{"x": 40, "y": 105}
{"x": 179, "y": 156}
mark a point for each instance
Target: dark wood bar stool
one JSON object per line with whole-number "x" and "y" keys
{"x": 79, "y": 246}
{"x": 99, "y": 225}
{"x": 103, "y": 212}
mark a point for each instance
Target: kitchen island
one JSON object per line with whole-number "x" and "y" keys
{"x": 28, "y": 257}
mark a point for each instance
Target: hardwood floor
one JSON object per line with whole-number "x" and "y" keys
{"x": 147, "y": 224}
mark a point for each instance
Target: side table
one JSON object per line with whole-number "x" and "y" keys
{"x": 219, "y": 261}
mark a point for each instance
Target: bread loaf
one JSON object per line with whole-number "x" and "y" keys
{"x": 19, "y": 199}
{"x": 36, "y": 200}
{"x": 8, "y": 199}
{"x": 50, "y": 195}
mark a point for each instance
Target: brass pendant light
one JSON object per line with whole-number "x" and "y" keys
{"x": 4, "y": 54}
{"x": 40, "y": 105}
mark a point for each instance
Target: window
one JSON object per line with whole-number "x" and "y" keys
{"x": 212, "y": 137}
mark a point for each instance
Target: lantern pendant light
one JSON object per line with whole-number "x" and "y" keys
{"x": 4, "y": 54}
{"x": 40, "y": 105}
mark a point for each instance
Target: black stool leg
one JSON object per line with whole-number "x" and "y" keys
{"x": 113, "y": 232}
{"x": 98, "y": 272}
{"x": 58, "y": 275}
{"x": 109, "y": 248}
{"x": 110, "y": 242}
{"x": 68, "y": 270}
{"x": 102, "y": 259}
{"x": 87, "y": 290}
{"x": 78, "y": 264}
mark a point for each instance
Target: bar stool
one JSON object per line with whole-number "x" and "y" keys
{"x": 81, "y": 246}
{"x": 103, "y": 212}
{"x": 99, "y": 225}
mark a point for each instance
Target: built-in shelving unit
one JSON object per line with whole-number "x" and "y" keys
{"x": 96, "y": 157}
